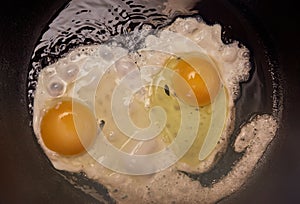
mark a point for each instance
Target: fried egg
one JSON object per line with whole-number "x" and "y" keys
{"x": 133, "y": 120}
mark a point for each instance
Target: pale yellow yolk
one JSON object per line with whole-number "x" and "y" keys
{"x": 201, "y": 78}
{"x": 68, "y": 127}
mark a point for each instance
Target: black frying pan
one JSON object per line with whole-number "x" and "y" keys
{"x": 28, "y": 177}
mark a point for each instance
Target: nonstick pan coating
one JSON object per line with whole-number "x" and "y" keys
{"x": 27, "y": 176}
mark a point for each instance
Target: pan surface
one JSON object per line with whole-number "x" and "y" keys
{"x": 26, "y": 174}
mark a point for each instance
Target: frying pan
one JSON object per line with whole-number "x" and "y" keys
{"x": 28, "y": 177}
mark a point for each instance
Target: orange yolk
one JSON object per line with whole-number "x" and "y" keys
{"x": 68, "y": 128}
{"x": 197, "y": 75}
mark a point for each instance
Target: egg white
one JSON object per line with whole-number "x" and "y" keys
{"x": 100, "y": 68}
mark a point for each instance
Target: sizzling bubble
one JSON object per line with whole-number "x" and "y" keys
{"x": 68, "y": 73}
{"x": 55, "y": 87}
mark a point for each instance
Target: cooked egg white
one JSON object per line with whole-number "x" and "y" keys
{"x": 172, "y": 100}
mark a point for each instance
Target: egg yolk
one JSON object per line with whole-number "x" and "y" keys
{"x": 201, "y": 78}
{"x": 68, "y": 128}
